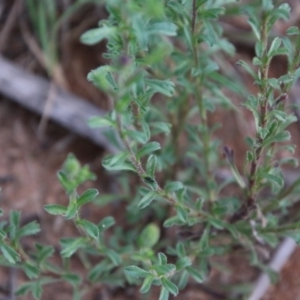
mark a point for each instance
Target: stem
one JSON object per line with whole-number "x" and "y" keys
{"x": 138, "y": 166}
{"x": 194, "y": 16}
{"x": 264, "y": 70}
{"x": 178, "y": 120}
{"x": 194, "y": 37}
{"x": 202, "y": 111}
{"x": 142, "y": 174}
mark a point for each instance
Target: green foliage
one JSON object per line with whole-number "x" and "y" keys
{"x": 162, "y": 76}
{"x": 47, "y": 22}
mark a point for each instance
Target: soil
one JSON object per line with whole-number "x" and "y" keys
{"x": 29, "y": 162}
{"x": 288, "y": 285}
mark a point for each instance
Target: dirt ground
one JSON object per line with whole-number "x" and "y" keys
{"x": 28, "y": 164}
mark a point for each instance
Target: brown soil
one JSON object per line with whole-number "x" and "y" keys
{"x": 288, "y": 286}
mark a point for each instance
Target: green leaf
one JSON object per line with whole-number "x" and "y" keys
{"x": 113, "y": 256}
{"x": 259, "y": 49}
{"x": 255, "y": 27}
{"x": 270, "y": 238}
{"x": 71, "y": 165}
{"x": 249, "y": 156}
{"x": 10, "y": 254}
{"x": 44, "y": 252}
{"x": 106, "y": 223}
{"x": 14, "y": 218}
{"x": 24, "y": 289}
{"x": 99, "y": 77}
{"x": 151, "y": 165}
{"x": 138, "y": 136}
{"x": 211, "y": 13}
{"x": 170, "y": 286}
{"x": 294, "y": 30}
{"x": 3, "y": 234}
{"x": 195, "y": 274}
{"x": 147, "y": 199}
{"x": 249, "y": 70}
{"x": 180, "y": 248}
{"x": 90, "y": 228}
{"x": 136, "y": 272}
{"x": 280, "y": 51}
{"x": 37, "y": 290}
{"x": 71, "y": 246}
{"x": 256, "y": 62}
{"x": 117, "y": 163}
{"x": 164, "y": 294}
{"x": 150, "y": 181}
{"x": 88, "y": 196}
{"x": 149, "y": 236}
{"x": 217, "y": 223}
{"x": 183, "y": 262}
{"x": 146, "y": 130}
{"x": 179, "y": 9}
{"x": 279, "y": 137}
{"x": 263, "y": 132}
{"x": 147, "y": 149}
{"x": 146, "y": 284}
{"x": 204, "y": 240}
{"x": 275, "y": 179}
{"x": 161, "y": 127}
{"x": 267, "y": 5}
{"x": 183, "y": 281}
{"x": 172, "y": 221}
{"x": 96, "y": 35}
{"x": 114, "y": 159}
{"x": 274, "y": 46}
{"x": 282, "y": 12}
{"x": 29, "y": 229}
{"x": 289, "y": 161}
{"x": 165, "y": 28}
{"x": 101, "y": 121}
{"x": 226, "y": 205}
{"x": 165, "y": 87}
{"x": 182, "y": 213}
{"x": 162, "y": 258}
{"x": 173, "y": 186}
{"x": 167, "y": 269}
{"x": 65, "y": 182}
{"x": 101, "y": 268}
{"x": 71, "y": 210}
{"x": 280, "y": 115}
{"x": 55, "y": 209}
{"x": 286, "y": 79}
{"x": 30, "y": 270}
{"x": 73, "y": 279}
{"x": 180, "y": 194}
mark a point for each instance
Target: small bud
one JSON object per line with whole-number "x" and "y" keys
{"x": 124, "y": 60}
{"x": 229, "y": 155}
{"x": 282, "y": 98}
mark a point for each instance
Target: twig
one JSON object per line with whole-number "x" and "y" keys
{"x": 8, "y": 26}
{"x": 283, "y": 253}
{"x": 47, "y": 111}
{"x": 69, "y": 110}
{"x": 12, "y": 283}
{"x": 32, "y": 44}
